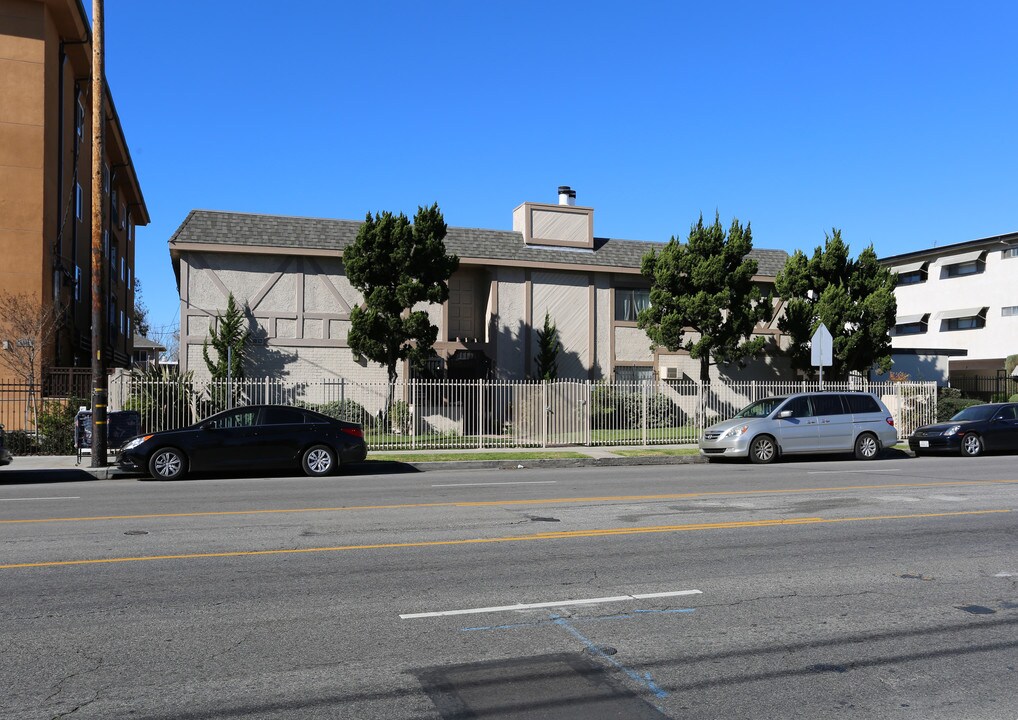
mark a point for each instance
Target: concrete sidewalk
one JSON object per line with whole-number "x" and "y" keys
{"x": 596, "y": 457}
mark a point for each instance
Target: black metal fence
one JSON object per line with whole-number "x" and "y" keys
{"x": 39, "y": 418}
{"x": 992, "y": 388}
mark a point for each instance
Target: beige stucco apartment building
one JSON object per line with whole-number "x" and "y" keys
{"x": 45, "y": 171}
{"x": 288, "y": 273}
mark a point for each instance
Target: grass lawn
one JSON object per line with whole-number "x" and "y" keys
{"x": 657, "y": 452}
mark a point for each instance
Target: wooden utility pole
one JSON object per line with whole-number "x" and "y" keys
{"x": 99, "y": 429}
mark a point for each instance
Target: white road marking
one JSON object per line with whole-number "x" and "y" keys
{"x": 1003, "y": 575}
{"x": 555, "y": 604}
{"x": 71, "y": 497}
{"x": 522, "y": 482}
{"x": 835, "y": 472}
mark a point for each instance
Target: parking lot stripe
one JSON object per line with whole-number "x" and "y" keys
{"x": 550, "y": 604}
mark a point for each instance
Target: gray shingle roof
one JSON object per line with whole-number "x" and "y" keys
{"x": 229, "y": 228}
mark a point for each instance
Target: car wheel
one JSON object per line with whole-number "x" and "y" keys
{"x": 971, "y": 445}
{"x": 167, "y": 464}
{"x": 867, "y": 447}
{"x": 319, "y": 460}
{"x": 763, "y": 449}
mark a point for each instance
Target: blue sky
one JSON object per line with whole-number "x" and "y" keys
{"x": 891, "y": 121}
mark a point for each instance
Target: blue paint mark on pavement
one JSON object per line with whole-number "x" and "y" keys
{"x": 646, "y": 680}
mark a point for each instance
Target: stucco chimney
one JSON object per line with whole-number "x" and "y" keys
{"x": 566, "y": 195}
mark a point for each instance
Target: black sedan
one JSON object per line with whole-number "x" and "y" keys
{"x": 973, "y": 431}
{"x": 252, "y": 437}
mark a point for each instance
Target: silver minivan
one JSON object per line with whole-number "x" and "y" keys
{"x": 813, "y": 422}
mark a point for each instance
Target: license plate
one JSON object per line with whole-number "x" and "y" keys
{"x": 924, "y": 443}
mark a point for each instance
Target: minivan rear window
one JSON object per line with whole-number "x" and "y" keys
{"x": 862, "y": 404}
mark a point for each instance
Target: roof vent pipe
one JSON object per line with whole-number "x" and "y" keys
{"x": 566, "y": 195}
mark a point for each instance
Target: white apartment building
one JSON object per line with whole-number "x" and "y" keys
{"x": 957, "y": 309}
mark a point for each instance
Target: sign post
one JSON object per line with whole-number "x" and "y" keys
{"x": 821, "y": 350}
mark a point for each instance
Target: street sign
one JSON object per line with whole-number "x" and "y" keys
{"x": 821, "y": 350}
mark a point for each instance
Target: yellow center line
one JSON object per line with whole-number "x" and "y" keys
{"x": 501, "y": 503}
{"x": 563, "y": 535}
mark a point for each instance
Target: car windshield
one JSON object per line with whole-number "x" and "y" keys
{"x": 761, "y": 408}
{"x": 976, "y": 412}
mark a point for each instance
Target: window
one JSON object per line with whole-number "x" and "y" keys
{"x": 973, "y": 322}
{"x": 912, "y": 278}
{"x": 235, "y": 419}
{"x": 114, "y": 205}
{"x": 106, "y": 179}
{"x": 972, "y": 267}
{"x": 1011, "y": 252}
{"x": 1009, "y": 311}
{"x": 629, "y": 302}
{"x": 129, "y": 278}
{"x": 106, "y": 242}
{"x": 634, "y": 374}
{"x": 1008, "y": 412}
{"x": 123, "y": 216}
{"x": 77, "y": 283}
{"x": 123, "y": 269}
{"x": 282, "y": 416}
{"x": 79, "y": 121}
{"x": 862, "y": 403}
{"x": 123, "y": 325}
{"x": 827, "y": 405}
{"x": 912, "y": 328}
{"x": 77, "y": 200}
{"x": 799, "y": 407}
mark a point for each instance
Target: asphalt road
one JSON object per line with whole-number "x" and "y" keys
{"x": 805, "y": 589}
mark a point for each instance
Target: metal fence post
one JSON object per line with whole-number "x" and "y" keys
{"x": 590, "y": 415}
{"x": 480, "y": 413}
{"x": 547, "y": 410}
{"x": 643, "y": 413}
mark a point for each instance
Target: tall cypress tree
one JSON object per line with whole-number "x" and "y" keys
{"x": 228, "y": 337}
{"x": 548, "y": 347}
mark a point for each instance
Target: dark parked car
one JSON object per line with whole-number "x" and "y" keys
{"x": 973, "y": 431}
{"x": 5, "y": 454}
{"x": 252, "y": 437}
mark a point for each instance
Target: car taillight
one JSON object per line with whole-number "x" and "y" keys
{"x": 355, "y": 431}
{"x": 889, "y": 420}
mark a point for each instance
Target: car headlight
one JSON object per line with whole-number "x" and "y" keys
{"x": 131, "y": 444}
{"x": 952, "y": 430}
{"x": 734, "y": 432}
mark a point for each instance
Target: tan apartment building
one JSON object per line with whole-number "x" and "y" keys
{"x": 288, "y": 273}
{"x": 45, "y": 180}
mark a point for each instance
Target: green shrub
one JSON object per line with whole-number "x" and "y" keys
{"x": 20, "y": 442}
{"x": 56, "y": 426}
{"x": 950, "y": 403}
{"x": 400, "y": 417}
{"x": 344, "y": 410}
{"x": 613, "y": 409}
{"x": 1013, "y": 398}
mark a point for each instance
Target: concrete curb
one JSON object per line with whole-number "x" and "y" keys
{"x": 550, "y": 463}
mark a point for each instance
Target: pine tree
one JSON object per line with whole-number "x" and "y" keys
{"x": 548, "y": 347}
{"x": 228, "y": 337}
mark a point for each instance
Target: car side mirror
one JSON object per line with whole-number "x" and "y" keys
{"x": 785, "y": 414}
